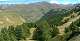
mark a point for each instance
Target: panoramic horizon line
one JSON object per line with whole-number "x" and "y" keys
{"x": 24, "y": 2}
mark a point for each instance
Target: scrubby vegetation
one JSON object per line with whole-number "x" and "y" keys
{"x": 46, "y": 27}
{"x": 14, "y": 33}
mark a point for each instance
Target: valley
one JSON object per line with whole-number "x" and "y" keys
{"x": 40, "y": 21}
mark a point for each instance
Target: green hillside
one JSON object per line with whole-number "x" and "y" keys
{"x": 40, "y": 22}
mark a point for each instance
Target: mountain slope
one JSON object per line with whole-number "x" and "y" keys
{"x": 32, "y": 12}
{"x": 10, "y": 18}
{"x": 65, "y": 25}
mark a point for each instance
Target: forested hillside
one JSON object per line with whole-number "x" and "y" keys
{"x": 54, "y": 24}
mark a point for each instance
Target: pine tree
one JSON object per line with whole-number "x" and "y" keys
{"x": 11, "y": 33}
{"x": 18, "y": 33}
{"x": 25, "y": 31}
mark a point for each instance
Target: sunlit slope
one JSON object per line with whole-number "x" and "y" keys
{"x": 10, "y": 18}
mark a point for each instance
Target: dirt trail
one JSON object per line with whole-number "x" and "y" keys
{"x": 31, "y": 32}
{"x": 62, "y": 27}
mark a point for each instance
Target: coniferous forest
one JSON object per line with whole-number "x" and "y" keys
{"x": 55, "y": 25}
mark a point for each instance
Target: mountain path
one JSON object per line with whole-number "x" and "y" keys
{"x": 31, "y": 32}
{"x": 31, "y": 35}
{"x": 65, "y": 25}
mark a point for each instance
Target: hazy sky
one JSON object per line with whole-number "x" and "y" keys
{"x": 33, "y": 1}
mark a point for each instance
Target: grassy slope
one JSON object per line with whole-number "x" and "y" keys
{"x": 10, "y": 18}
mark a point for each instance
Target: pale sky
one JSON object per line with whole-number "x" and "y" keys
{"x": 33, "y": 1}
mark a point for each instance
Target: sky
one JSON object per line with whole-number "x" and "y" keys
{"x": 33, "y": 1}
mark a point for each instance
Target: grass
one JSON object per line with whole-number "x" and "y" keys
{"x": 10, "y": 18}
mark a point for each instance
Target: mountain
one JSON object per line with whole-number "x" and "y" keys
{"x": 40, "y": 21}
{"x": 10, "y": 18}
{"x": 31, "y": 12}
{"x": 34, "y": 11}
